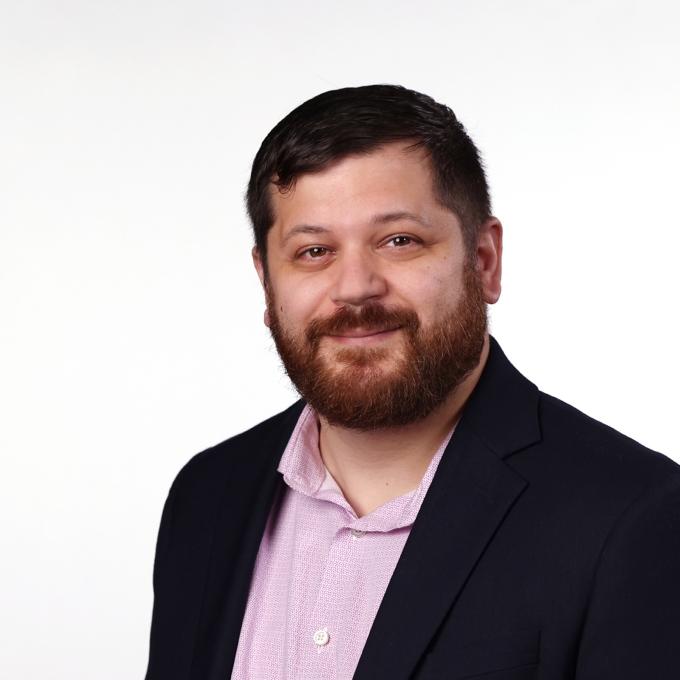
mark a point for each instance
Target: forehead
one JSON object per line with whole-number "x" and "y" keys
{"x": 392, "y": 178}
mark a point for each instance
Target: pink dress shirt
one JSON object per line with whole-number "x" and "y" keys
{"x": 321, "y": 571}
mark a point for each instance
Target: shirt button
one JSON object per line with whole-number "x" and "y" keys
{"x": 357, "y": 533}
{"x": 321, "y": 637}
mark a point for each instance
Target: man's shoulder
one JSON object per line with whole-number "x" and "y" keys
{"x": 554, "y": 444}
{"x": 580, "y": 446}
{"x": 256, "y": 449}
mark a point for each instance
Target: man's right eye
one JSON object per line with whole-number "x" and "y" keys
{"x": 314, "y": 252}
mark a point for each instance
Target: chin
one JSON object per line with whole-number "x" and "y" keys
{"x": 373, "y": 360}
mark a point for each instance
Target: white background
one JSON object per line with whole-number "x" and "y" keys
{"x": 130, "y": 316}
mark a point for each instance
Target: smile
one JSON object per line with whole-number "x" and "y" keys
{"x": 362, "y": 336}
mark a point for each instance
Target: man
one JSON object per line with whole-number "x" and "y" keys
{"x": 425, "y": 512}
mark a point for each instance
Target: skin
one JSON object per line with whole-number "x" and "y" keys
{"x": 369, "y": 228}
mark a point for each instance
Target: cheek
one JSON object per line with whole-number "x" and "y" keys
{"x": 293, "y": 309}
{"x": 431, "y": 294}
{"x": 301, "y": 301}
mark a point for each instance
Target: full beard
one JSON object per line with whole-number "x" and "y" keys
{"x": 351, "y": 387}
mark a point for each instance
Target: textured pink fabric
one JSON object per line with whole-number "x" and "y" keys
{"x": 319, "y": 567}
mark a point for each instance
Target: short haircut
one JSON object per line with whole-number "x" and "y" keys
{"x": 358, "y": 120}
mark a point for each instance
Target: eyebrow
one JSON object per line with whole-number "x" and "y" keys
{"x": 303, "y": 229}
{"x": 383, "y": 218}
{"x": 399, "y": 215}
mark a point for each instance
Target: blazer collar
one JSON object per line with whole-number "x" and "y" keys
{"x": 503, "y": 408}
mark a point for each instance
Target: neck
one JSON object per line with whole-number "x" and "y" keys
{"x": 373, "y": 467}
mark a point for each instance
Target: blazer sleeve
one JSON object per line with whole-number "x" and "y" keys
{"x": 632, "y": 625}
{"x": 158, "y": 620}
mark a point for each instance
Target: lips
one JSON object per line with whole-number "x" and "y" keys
{"x": 372, "y": 323}
{"x": 364, "y": 332}
{"x": 362, "y": 336}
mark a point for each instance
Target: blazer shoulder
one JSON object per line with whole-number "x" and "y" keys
{"x": 259, "y": 446}
{"x": 592, "y": 444}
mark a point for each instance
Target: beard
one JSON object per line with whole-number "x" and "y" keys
{"x": 353, "y": 387}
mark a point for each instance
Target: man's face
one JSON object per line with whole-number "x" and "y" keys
{"x": 373, "y": 305}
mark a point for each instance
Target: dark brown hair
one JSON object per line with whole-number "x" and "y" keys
{"x": 358, "y": 120}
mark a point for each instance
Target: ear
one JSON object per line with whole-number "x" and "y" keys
{"x": 490, "y": 258}
{"x": 259, "y": 268}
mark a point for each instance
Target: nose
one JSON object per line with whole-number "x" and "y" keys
{"x": 358, "y": 279}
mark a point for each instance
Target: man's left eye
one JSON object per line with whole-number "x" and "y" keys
{"x": 400, "y": 240}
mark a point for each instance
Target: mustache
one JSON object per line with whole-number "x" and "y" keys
{"x": 371, "y": 317}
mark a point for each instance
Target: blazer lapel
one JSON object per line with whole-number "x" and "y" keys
{"x": 471, "y": 494}
{"x": 238, "y": 531}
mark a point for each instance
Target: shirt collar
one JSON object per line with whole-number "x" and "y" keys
{"x": 303, "y": 471}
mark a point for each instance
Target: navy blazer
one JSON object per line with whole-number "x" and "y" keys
{"x": 547, "y": 548}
